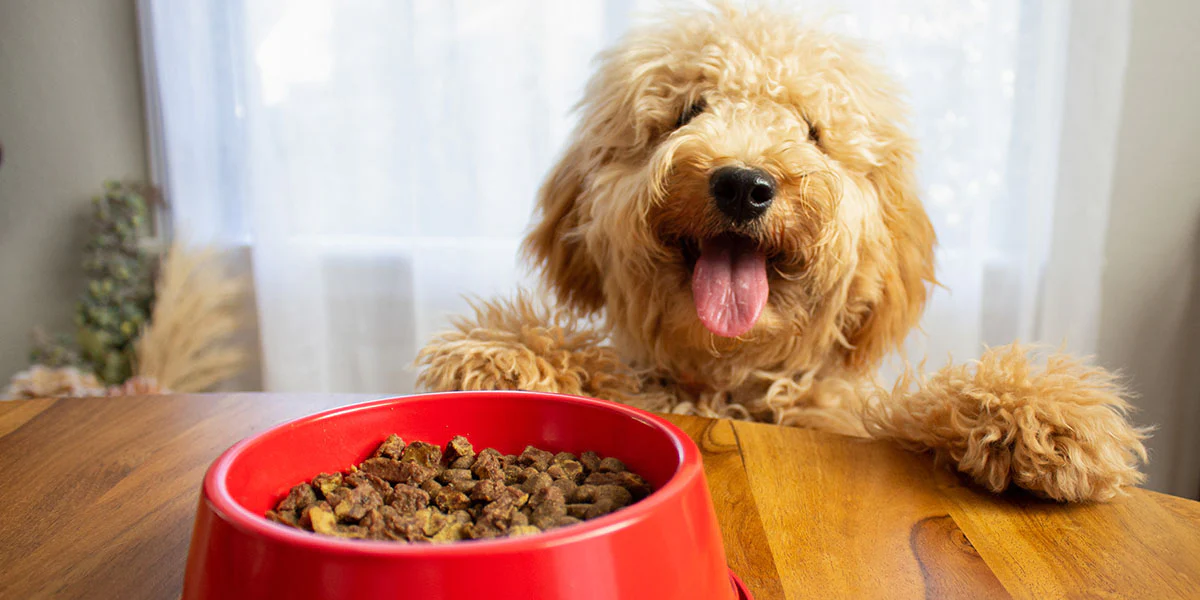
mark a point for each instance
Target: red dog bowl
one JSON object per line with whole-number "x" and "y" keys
{"x": 666, "y": 546}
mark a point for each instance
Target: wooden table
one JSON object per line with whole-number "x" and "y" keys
{"x": 98, "y": 498}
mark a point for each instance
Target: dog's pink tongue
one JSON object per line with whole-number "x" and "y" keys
{"x": 729, "y": 285}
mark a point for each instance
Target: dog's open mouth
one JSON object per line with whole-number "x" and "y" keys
{"x": 729, "y": 282}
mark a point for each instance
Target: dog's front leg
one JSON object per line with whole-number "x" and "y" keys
{"x": 522, "y": 343}
{"x": 1059, "y": 429}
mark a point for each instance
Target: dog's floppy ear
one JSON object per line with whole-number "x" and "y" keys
{"x": 556, "y": 243}
{"x": 608, "y": 129}
{"x": 904, "y": 265}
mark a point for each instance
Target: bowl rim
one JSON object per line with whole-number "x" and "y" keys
{"x": 221, "y": 502}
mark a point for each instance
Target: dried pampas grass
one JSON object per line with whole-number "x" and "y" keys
{"x": 189, "y": 345}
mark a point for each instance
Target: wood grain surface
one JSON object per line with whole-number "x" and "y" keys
{"x": 99, "y": 496}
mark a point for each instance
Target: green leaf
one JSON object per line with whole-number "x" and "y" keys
{"x": 90, "y": 343}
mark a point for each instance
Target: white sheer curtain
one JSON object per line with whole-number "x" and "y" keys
{"x": 380, "y": 158}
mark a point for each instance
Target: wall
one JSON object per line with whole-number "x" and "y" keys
{"x": 1150, "y": 318}
{"x": 70, "y": 117}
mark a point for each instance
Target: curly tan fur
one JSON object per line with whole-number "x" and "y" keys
{"x": 849, "y": 253}
{"x": 1059, "y": 431}
{"x": 525, "y": 344}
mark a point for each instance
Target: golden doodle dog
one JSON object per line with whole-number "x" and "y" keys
{"x": 735, "y": 230}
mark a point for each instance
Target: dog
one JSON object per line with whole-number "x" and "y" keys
{"x": 735, "y": 230}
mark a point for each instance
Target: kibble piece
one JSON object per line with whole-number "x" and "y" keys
{"x": 518, "y": 519}
{"x": 461, "y": 516}
{"x": 636, "y": 485}
{"x": 512, "y": 475}
{"x": 546, "y": 494}
{"x": 406, "y": 498}
{"x": 487, "y": 466}
{"x": 322, "y": 519}
{"x": 403, "y": 527}
{"x": 431, "y": 520}
{"x": 536, "y": 458}
{"x": 357, "y": 532}
{"x": 487, "y": 490}
{"x": 630, "y": 481}
{"x": 590, "y": 461}
{"x": 563, "y": 457}
{"x": 498, "y": 514}
{"x": 394, "y": 471}
{"x": 566, "y": 521}
{"x": 373, "y": 523}
{"x": 392, "y": 447}
{"x": 548, "y": 505}
{"x": 509, "y": 460}
{"x": 619, "y": 496}
{"x": 578, "y": 510}
{"x": 459, "y": 447}
{"x": 611, "y": 465}
{"x": 526, "y": 473}
{"x": 306, "y": 520}
{"x": 481, "y": 531}
{"x": 414, "y": 473}
{"x": 449, "y": 500}
{"x": 568, "y": 469}
{"x": 326, "y": 482}
{"x": 537, "y": 482}
{"x": 566, "y": 485}
{"x": 519, "y": 497}
{"x": 600, "y": 507}
{"x": 387, "y": 469}
{"x": 299, "y": 498}
{"x": 431, "y": 486}
{"x": 452, "y": 532}
{"x": 285, "y": 517}
{"x": 452, "y": 475}
{"x": 548, "y": 518}
{"x": 423, "y": 453}
{"x": 387, "y": 512}
{"x": 463, "y": 485}
{"x": 521, "y": 530}
{"x": 462, "y": 462}
{"x": 360, "y": 478}
{"x": 585, "y": 493}
{"x": 337, "y": 495}
{"x": 356, "y": 502}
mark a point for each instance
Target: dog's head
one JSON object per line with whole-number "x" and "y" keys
{"x": 740, "y": 186}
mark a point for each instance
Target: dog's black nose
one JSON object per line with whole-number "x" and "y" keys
{"x": 742, "y": 194}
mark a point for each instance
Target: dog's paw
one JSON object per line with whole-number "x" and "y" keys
{"x": 467, "y": 364}
{"x": 521, "y": 344}
{"x": 1069, "y": 444}
{"x": 1059, "y": 431}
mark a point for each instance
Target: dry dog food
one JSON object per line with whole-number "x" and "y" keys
{"x": 419, "y": 492}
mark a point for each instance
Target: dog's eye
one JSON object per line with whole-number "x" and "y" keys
{"x": 691, "y": 112}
